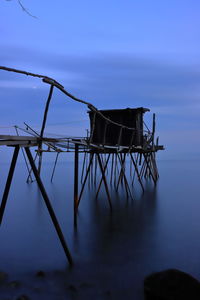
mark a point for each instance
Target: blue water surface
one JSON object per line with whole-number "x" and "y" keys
{"x": 113, "y": 253}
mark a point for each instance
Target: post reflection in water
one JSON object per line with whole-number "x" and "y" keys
{"x": 113, "y": 252}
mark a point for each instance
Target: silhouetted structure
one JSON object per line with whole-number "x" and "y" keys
{"x": 116, "y": 137}
{"x": 104, "y": 133}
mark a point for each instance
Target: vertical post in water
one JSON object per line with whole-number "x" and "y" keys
{"x": 104, "y": 180}
{"x": 153, "y": 129}
{"x": 75, "y": 183}
{"x": 43, "y": 127}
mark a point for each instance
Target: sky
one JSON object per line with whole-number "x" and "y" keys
{"x": 114, "y": 54}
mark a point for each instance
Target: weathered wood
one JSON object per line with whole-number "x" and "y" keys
{"x": 137, "y": 141}
{"x": 24, "y": 156}
{"x": 146, "y": 157}
{"x": 17, "y": 138}
{"x": 49, "y": 207}
{"x": 54, "y": 167}
{"x": 76, "y": 178}
{"x": 8, "y": 182}
{"x": 18, "y": 143}
{"x": 104, "y": 180}
{"x": 46, "y": 111}
{"x": 137, "y": 172}
{"x": 104, "y": 168}
{"x": 123, "y": 176}
{"x": 85, "y": 179}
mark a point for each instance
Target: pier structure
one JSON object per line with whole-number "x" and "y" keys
{"x": 119, "y": 150}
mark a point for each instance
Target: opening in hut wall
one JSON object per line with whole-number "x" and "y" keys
{"x": 104, "y": 132}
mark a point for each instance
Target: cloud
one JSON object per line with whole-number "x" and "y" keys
{"x": 107, "y": 80}
{"x": 116, "y": 78}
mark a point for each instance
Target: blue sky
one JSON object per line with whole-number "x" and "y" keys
{"x": 115, "y": 54}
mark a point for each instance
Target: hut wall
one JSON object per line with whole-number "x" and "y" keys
{"x": 106, "y": 133}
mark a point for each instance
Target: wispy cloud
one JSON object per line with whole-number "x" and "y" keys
{"x": 116, "y": 78}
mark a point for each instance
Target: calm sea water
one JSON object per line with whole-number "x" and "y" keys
{"x": 157, "y": 230}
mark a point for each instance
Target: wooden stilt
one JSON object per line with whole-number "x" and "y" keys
{"x": 76, "y": 182}
{"x": 105, "y": 167}
{"x": 8, "y": 182}
{"x": 30, "y": 171}
{"x": 142, "y": 169}
{"x": 24, "y": 156}
{"x": 121, "y": 173}
{"x": 86, "y": 176}
{"x": 137, "y": 172}
{"x": 95, "y": 171}
{"x": 104, "y": 180}
{"x": 116, "y": 171}
{"x": 134, "y": 172}
{"x": 54, "y": 167}
{"x": 128, "y": 191}
{"x": 112, "y": 169}
{"x": 43, "y": 126}
{"x": 83, "y": 166}
{"x": 149, "y": 168}
{"x": 48, "y": 205}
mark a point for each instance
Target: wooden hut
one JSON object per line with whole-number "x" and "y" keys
{"x": 104, "y": 132}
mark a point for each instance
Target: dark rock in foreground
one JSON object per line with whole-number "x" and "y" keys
{"x": 171, "y": 285}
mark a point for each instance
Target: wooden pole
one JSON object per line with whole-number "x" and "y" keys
{"x": 137, "y": 172}
{"x": 48, "y": 205}
{"x": 75, "y": 182}
{"x": 8, "y": 182}
{"x": 54, "y": 167}
{"x": 46, "y": 111}
{"x": 24, "y": 156}
{"x": 83, "y": 166}
{"x": 122, "y": 172}
{"x": 43, "y": 126}
{"x": 149, "y": 167}
{"x": 105, "y": 167}
{"x": 104, "y": 180}
{"x": 85, "y": 179}
{"x": 111, "y": 175}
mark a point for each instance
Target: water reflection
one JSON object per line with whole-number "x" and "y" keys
{"x": 158, "y": 229}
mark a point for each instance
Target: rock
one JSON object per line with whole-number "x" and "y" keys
{"x": 171, "y": 285}
{"x": 3, "y": 277}
{"x": 40, "y": 274}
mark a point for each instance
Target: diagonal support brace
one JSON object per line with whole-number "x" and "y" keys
{"x": 8, "y": 182}
{"x": 48, "y": 205}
